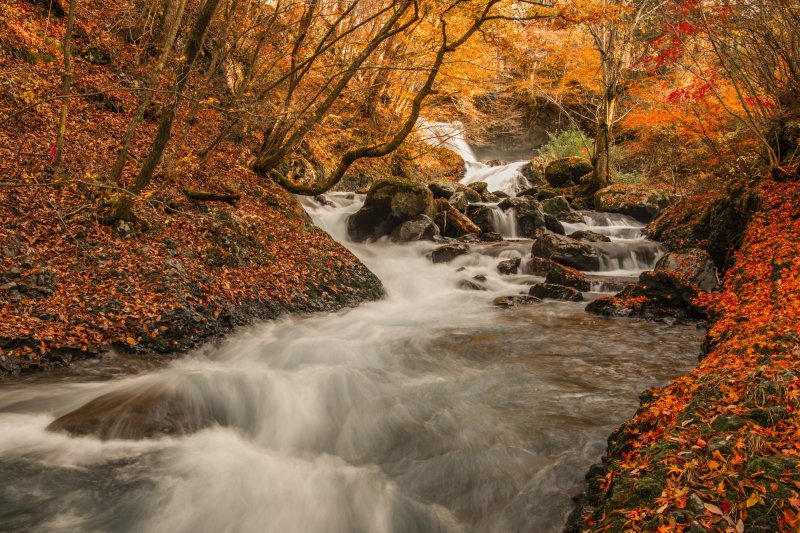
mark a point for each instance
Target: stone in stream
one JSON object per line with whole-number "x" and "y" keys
{"x": 567, "y": 171}
{"x": 693, "y": 264}
{"x": 556, "y": 292}
{"x": 553, "y": 224}
{"x": 511, "y": 301}
{"x": 389, "y": 203}
{"x": 528, "y": 213}
{"x": 491, "y": 236}
{"x": 567, "y": 277}
{"x": 509, "y": 266}
{"x": 642, "y": 203}
{"x": 537, "y": 266}
{"x": 448, "y": 252}
{"x": 479, "y": 186}
{"x": 443, "y": 189}
{"x": 474, "y": 284}
{"x": 461, "y": 199}
{"x": 136, "y": 414}
{"x": 556, "y": 206}
{"x": 566, "y": 251}
{"x": 419, "y": 228}
{"x": 590, "y": 236}
{"x": 481, "y": 216}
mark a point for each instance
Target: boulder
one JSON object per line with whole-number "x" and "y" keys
{"x": 481, "y": 216}
{"x": 490, "y": 197}
{"x": 509, "y": 266}
{"x": 566, "y": 251}
{"x": 419, "y": 228}
{"x": 556, "y": 206}
{"x": 567, "y": 171}
{"x": 511, "y": 301}
{"x": 448, "y": 252}
{"x": 495, "y": 163}
{"x": 693, "y": 265}
{"x": 656, "y": 295}
{"x": 474, "y": 284}
{"x": 556, "y": 292}
{"x": 389, "y": 203}
{"x": 552, "y": 223}
{"x": 532, "y": 173}
{"x": 536, "y": 266}
{"x": 500, "y": 194}
{"x": 528, "y": 213}
{"x": 642, "y": 203}
{"x": 590, "y": 236}
{"x": 443, "y": 189}
{"x": 479, "y": 186}
{"x": 491, "y": 236}
{"x": 137, "y": 414}
{"x": 567, "y": 277}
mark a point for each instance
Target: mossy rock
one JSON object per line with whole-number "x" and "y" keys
{"x": 643, "y": 204}
{"x": 389, "y": 203}
{"x": 567, "y": 171}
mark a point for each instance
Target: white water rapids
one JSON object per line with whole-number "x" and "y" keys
{"x": 431, "y": 410}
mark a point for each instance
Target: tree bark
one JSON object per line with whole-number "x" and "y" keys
{"x": 124, "y": 205}
{"x": 66, "y": 86}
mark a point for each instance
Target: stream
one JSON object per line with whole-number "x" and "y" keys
{"x": 430, "y": 410}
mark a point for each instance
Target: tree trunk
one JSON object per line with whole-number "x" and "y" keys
{"x": 147, "y": 95}
{"x": 122, "y": 209}
{"x": 601, "y": 162}
{"x": 66, "y": 87}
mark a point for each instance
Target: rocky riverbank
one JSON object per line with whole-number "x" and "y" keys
{"x": 719, "y": 448}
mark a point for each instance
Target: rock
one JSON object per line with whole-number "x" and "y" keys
{"x": 495, "y": 163}
{"x": 509, "y": 266}
{"x": 389, "y": 203}
{"x": 528, "y": 213}
{"x": 566, "y": 251}
{"x": 556, "y": 206}
{"x": 491, "y": 236}
{"x": 322, "y": 200}
{"x": 137, "y": 414}
{"x": 481, "y": 216}
{"x": 448, "y": 252}
{"x": 500, "y": 194}
{"x": 532, "y": 173}
{"x": 537, "y": 266}
{"x": 479, "y": 186}
{"x": 556, "y": 292}
{"x": 567, "y": 277}
{"x": 511, "y": 301}
{"x": 470, "y": 238}
{"x": 443, "y": 189}
{"x": 567, "y": 171}
{"x": 452, "y": 222}
{"x": 490, "y": 198}
{"x": 590, "y": 236}
{"x": 643, "y": 204}
{"x": 419, "y": 228}
{"x": 470, "y": 285}
{"x": 692, "y": 264}
{"x": 551, "y": 223}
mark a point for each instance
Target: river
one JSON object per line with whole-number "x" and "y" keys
{"x": 430, "y": 410}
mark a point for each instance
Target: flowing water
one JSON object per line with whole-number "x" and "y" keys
{"x": 431, "y": 410}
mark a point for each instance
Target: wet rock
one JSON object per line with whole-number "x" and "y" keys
{"x": 419, "y": 228}
{"x": 479, "y": 186}
{"x": 552, "y": 223}
{"x": 567, "y": 171}
{"x": 590, "y": 236}
{"x": 491, "y": 236}
{"x": 463, "y": 197}
{"x": 556, "y": 292}
{"x": 566, "y": 277}
{"x": 567, "y": 251}
{"x": 470, "y": 238}
{"x": 533, "y": 173}
{"x": 389, "y": 203}
{"x": 528, "y": 213}
{"x": 136, "y": 414}
{"x": 693, "y": 264}
{"x": 556, "y": 206}
{"x": 511, "y": 301}
{"x": 448, "y": 252}
{"x": 500, "y": 194}
{"x": 443, "y": 189}
{"x": 537, "y": 266}
{"x": 481, "y": 216}
{"x": 643, "y": 204}
{"x": 322, "y": 200}
{"x": 452, "y": 222}
{"x": 509, "y": 266}
{"x": 495, "y": 163}
{"x": 490, "y": 197}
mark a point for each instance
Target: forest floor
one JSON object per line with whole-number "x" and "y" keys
{"x": 184, "y": 270}
{"x": 719, "y": 448}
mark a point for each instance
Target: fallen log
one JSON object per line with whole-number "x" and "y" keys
{"x": 207, "y": 196}
{"x": 453, "y": 222}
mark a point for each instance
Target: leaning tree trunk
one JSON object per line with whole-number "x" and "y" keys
{"x": 124, "y": 205}
{"x": 66, "y": 86}
{"x": 601, "y": 161}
